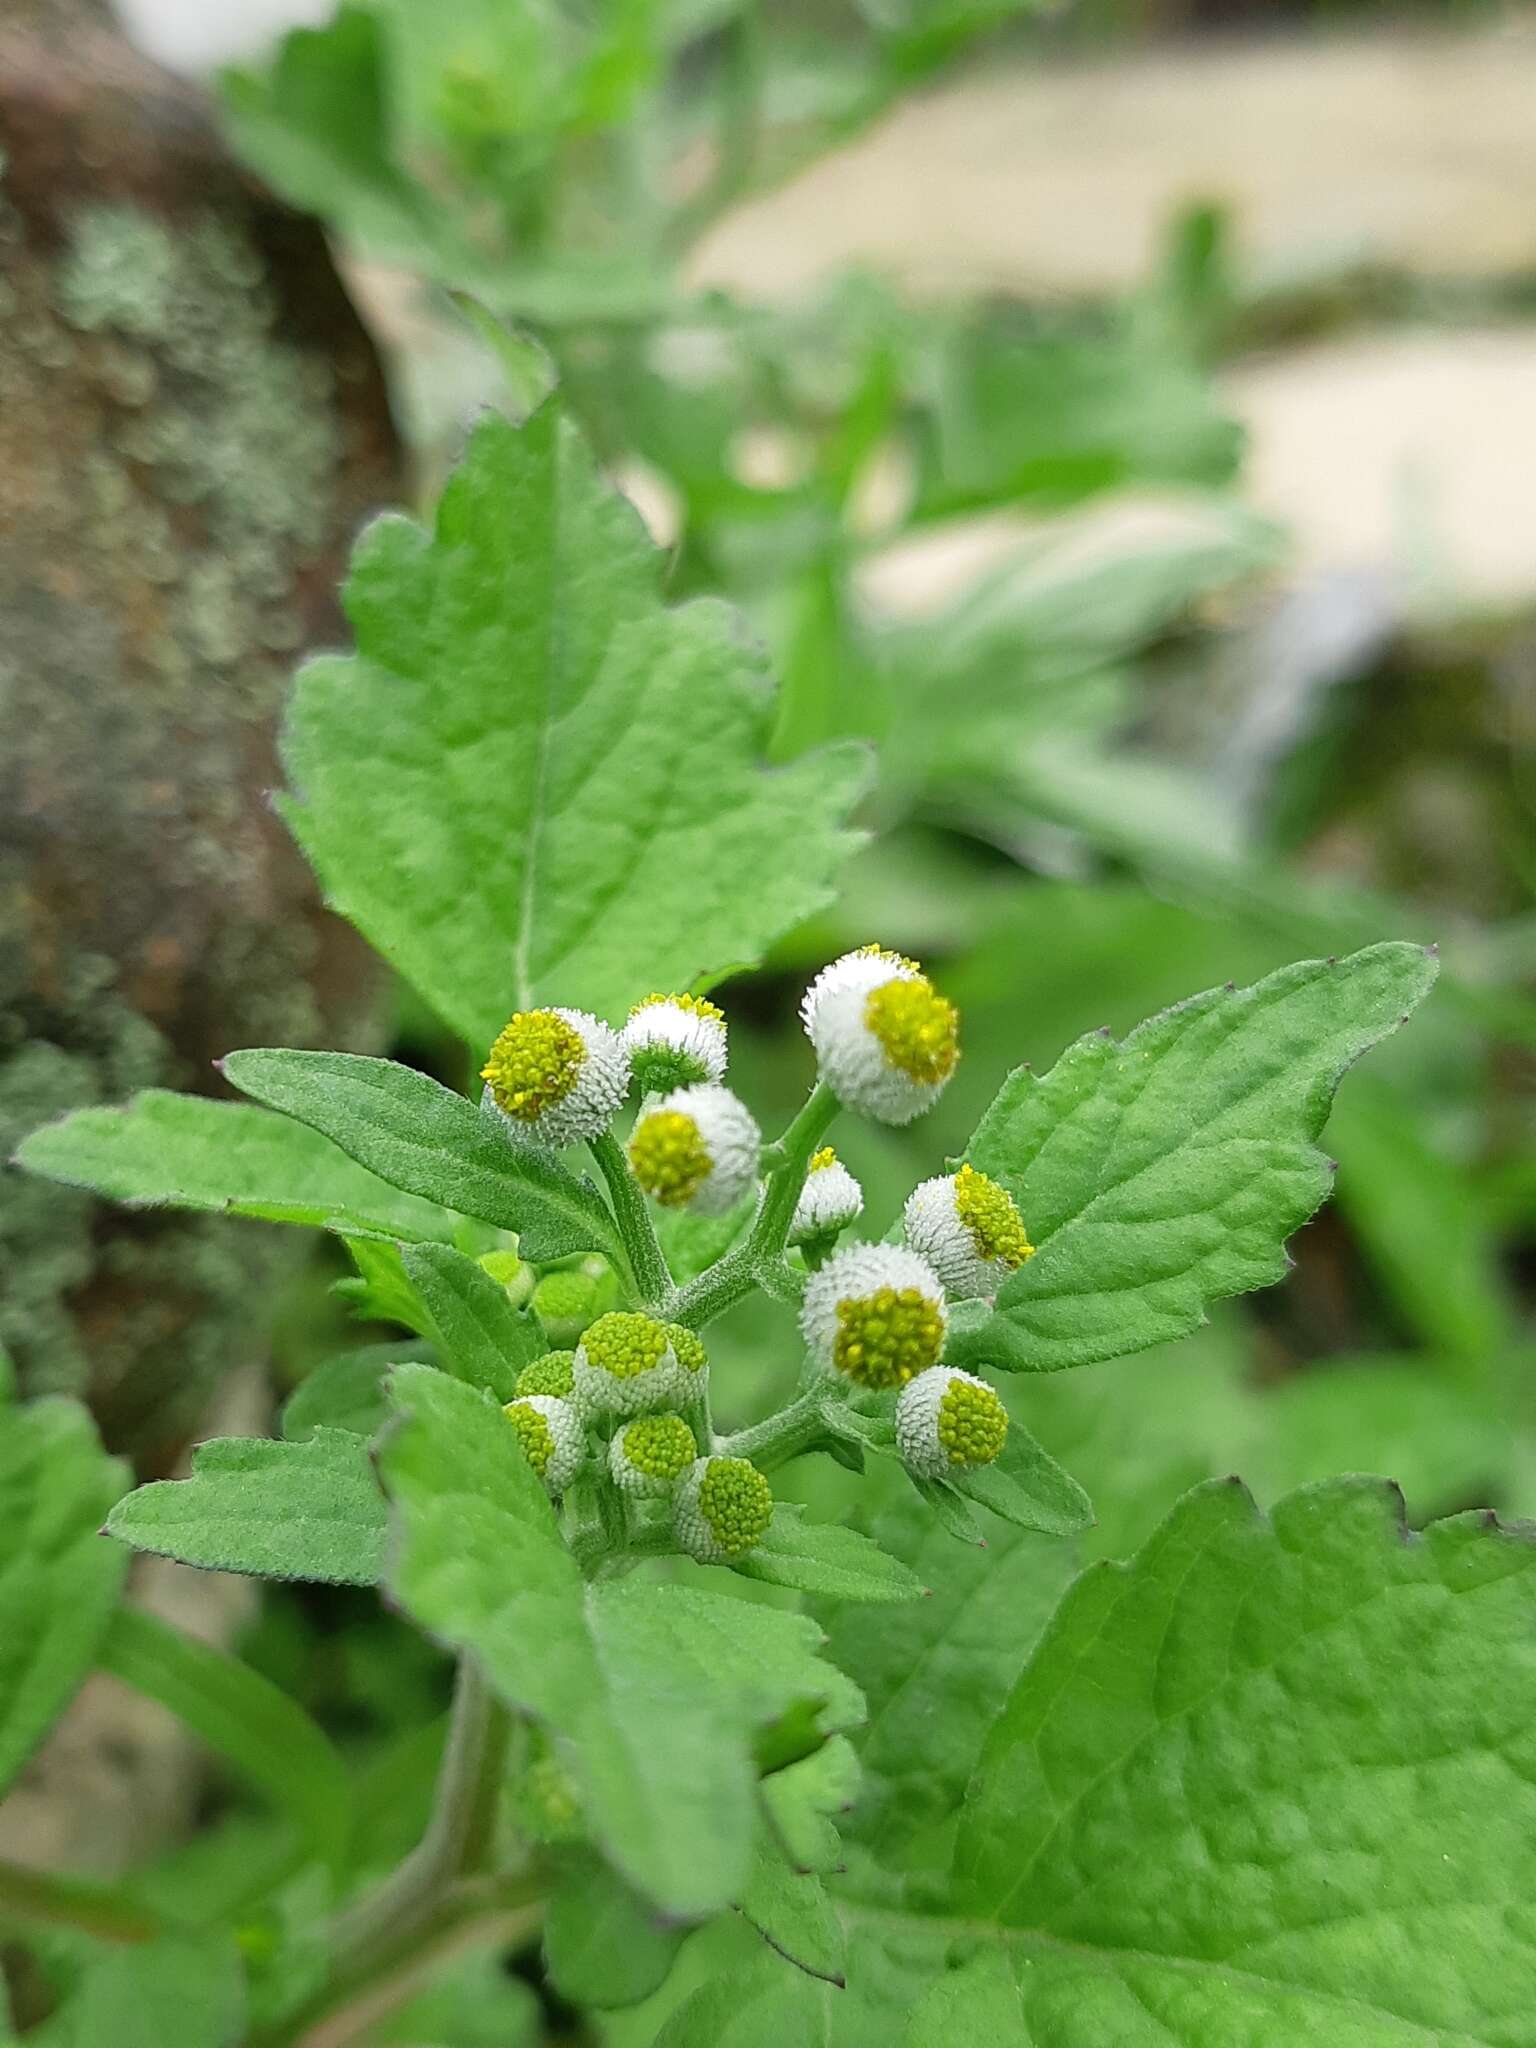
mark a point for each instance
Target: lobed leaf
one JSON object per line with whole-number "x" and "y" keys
{"x": 163, "y": 1150}
{"x": 307, "y": 1510}
{"x": 536, "y": 783}
{"x": 416, "y": 1134}
{"x": 1166, "y": 1171}
{"x": 1274, "y": 1779}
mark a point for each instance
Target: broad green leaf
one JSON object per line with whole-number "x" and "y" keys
{"x": 826, "y": 1559}
{"x": 242, "y": 1715}
{"x": 309, "y": 1510}
{"x": 791, "y": 1911}
{"x": 603, "y": 1945}
{"x": 163, "y": 1150}
{"x": 416, "y": 1134}
{"x": 768, "y": 2006}
{"x": 536, "y": 783}
{"x": 482, "y": 1339}
{"x": 1167, "y": 1170}
{"x": 935, "y": 1682}
{"x": 178, "y": 1989}
{"x": 1273, "y": 1780}
{"x": 653, "y": 1694}
{"x": 59, "y": 1581}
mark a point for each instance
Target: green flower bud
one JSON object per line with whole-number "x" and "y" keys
{"x": 649, "y": 1454}
{"x": 551, "y": 1374}
{"x": 551, "y": 1434}
{"x": 722, "y": 1507}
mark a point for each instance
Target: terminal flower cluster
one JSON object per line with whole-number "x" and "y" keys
{"x": 617, "y": 1421}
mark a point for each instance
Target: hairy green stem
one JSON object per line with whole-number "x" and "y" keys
{"x": 778, "y": 1438}
{"x": 758, "y": 1261}
{"x": 646, "y": 1259}
{"x": 459, "y": 1837}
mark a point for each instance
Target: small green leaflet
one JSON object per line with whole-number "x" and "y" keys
{"x": 186, "y": 1152}
{"x": 827, "y": 1559}
{"x": 59, "y": 1581}
{"x": 418, "y": 1135}
{"x": 653, "y": 1694}
{"x": 482, "y": 1338}
{"x": 536, "y": 783}
{"x": 1275, "y": 1779}
{"x": 791, "y": 1911}
{"x": 1168, "y": 1170}
{"x": 603, "y": 1944}
{"x": 309, "y": 1510}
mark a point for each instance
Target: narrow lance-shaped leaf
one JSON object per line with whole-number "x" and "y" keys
{"x": 534, "y": 782}
{"x": 416, "y": 1134}
{"x": 186, "y": 1152}
{"x": 1274, "y": 1780}
{"x": 482, "y": 1338}
{"x": 59, "y": 1581}
{"x": 1166, "y": 1171}
{"x": 308, "y": 1510}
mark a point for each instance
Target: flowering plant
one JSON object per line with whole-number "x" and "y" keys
{"x": 1176, "y": 1808}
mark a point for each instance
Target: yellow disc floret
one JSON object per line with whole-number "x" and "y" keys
{"x": 821, "y": 1160}
{"x": 533, "y": 1433}
{"x": 735, "y": 1502}
{"x": 887, "y": 1337}
{"x": 992, "y": 1220}
{"x": 687, "y": 1347}
{"x": 550, "y": 1374}
{"x": 972, "y": 1423}
{"x": 660, "y": 1447}
{"x": 696, "y": 1006}
{"x": 624, "y": 1345}
{"x": 669, "y": 1157}
{"x": 535, "y": 1063}
{"x": 918, "y": 1029}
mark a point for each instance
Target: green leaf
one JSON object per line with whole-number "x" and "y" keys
{"x": 416, "y": 1134}
{"x": 1275, "y": 1779}
{"x": 767, "y": 2007}
{"x": 378, "y": 1292}
{"x": 242, "y": 1715}
{"x": 801, "y": 1799}
{"x": 59, "y": 1582}
{"x": 935, "y": 1683}
{"x": 536, "y": 783}
{"x": 1166, "y": 1171}
{"x": 185, "y": 1152}
{"x": 347, "y": 1392}
{"x": 603, "y": 1945}
{"x": 653, "y": 1694}
{"x": 482, "y": 1338}
{"x": 1026, "y": 1486}
{"x": 791, "y": 1911}
{"x": 309, "y": 1510}
{"x": 823, "y": 1558}
{"x": 178, "y": 1989}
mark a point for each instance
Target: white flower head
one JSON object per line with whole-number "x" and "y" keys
{"x": 948, "y": 1421}
{"x": 673, "y": 1041}
{"x": 651, "y": 1453}
{"x": 696, "y": 1148}
{"x": 830, "y": 1200}
{"x": 554, "y": 1077}
{"x": 969, "y": 1230}
{"x": 552, "y": 1435}
{"x": 886, "y": 1041}
{"x": 721, "y": 1509}
{"x": 625, "y": 1364}
{"x": 875, "y": 1313}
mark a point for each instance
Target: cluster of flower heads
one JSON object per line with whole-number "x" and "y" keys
{"x": 639, "y": 1373}
{"x": 876, "y": 1315}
